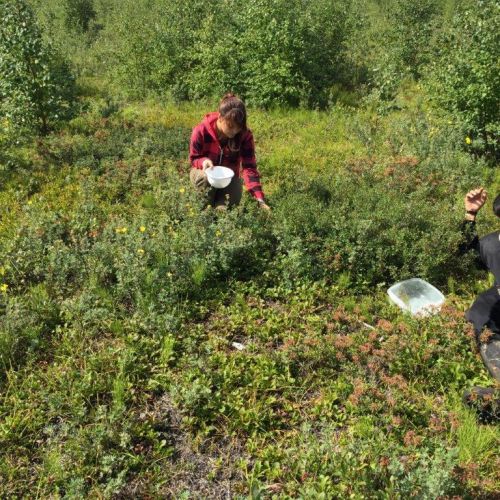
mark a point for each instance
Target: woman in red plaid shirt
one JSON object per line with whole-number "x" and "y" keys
{"x": 222, "y": 138}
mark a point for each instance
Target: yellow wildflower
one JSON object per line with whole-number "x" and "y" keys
{"x": 218, "y": 233}
{"x": 468, "y": 140}
{"x": 121, "y": 230}
{"x": 142, "y": 229}
{"x": 4, "y": 287}
{"x": 140, "y": 251}
{"x": 182, "y": 190}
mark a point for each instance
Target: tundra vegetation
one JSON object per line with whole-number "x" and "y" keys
{"x": 121, "y": 299}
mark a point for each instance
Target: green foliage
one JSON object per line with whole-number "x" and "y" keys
{"x": 70, "y": 27}
{"x": 36, "y": 89}
{"x": 392, "y": 42}
{"x": 27, "y": 324}
{"x": 464, "y": 77}
{"x": 152, "y": 349}
{"x": 270, "y": 52}
{"x": 430, "y": 478}
{"x": 79, "y": 14}
{"x": 476, "y": 442}
{"x": 413, "y": 28}
{"x": 382, "y": 230}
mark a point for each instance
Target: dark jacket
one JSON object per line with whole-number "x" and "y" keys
{"x": 485, "y": 312}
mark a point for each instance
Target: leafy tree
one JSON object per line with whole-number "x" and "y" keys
{"x": 413, "y": 27}
{"x": 79, "y": 14}
{"x": 269, "y": 51}
{"x": 465, "y": 76}
{"x": 37, "y": 88}
{"x": 394, "y": 41}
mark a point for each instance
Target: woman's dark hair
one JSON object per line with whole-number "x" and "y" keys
{"x": 496, "y": 206}
{"x": 232, "y": 109}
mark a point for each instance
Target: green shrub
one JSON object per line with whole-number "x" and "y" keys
{"x": 147, "y": 47}
{"x": 37, "y": 89}
{"x": 380, "y": 231}
{"x": 392, "y": 42}
{"x": 26, "y": 327}
{"x": 430, "y": 477}
{"x": 269, "y": 52}
{"x": 413, "y": 25}
{"x": 71, "y": 28}
{"x": 464, "y": 76}
{"x": 79, "y": 14}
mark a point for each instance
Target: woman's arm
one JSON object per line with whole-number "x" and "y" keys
{"x": 251, "y": 175}
{"x": 197, "y": 157}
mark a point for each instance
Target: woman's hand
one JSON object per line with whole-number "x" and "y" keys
{"x": 207, "y": 164}
{"x": 474, "y": 201}
{"x": 264, "y": 205}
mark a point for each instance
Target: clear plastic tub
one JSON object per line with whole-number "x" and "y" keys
{"x": 417, "y": 297}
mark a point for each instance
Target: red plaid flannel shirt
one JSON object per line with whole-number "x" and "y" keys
{"x": 205, "y": 145}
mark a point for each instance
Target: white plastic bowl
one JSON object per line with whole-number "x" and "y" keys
{"x": 219, "y": 177}
{"x": 416, "y": 296}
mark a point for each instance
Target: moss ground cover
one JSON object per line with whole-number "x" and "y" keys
{"x": 122, "y": 300}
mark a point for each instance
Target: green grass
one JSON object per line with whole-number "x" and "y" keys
{"x": 476, "y": 443}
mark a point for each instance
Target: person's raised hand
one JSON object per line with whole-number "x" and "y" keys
{"x": 474, "y": 200}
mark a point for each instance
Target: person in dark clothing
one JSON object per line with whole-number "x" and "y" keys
{"x": 488, "y": 247}
{"x": 485, "y": 311}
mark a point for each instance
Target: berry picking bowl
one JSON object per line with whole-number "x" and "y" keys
{"x": 219, "y": 177}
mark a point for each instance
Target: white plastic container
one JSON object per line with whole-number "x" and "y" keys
{"x": 219, "y": 177}
{"x": 417, "y": 297}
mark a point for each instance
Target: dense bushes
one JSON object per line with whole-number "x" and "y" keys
{"x": 413, "y": 27}
{"x": 37, "y": 89}
{"x": 372, "y": 228}
{"x": 465, "y": 77}
{"x": 392, "y": 42}
{"x": 79, "y": 14}
{"x": 376, "y": 222}
{"x": 274, "y": 52}
{"x": 133, "y": 227}
{"x": 270, "y": 52}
